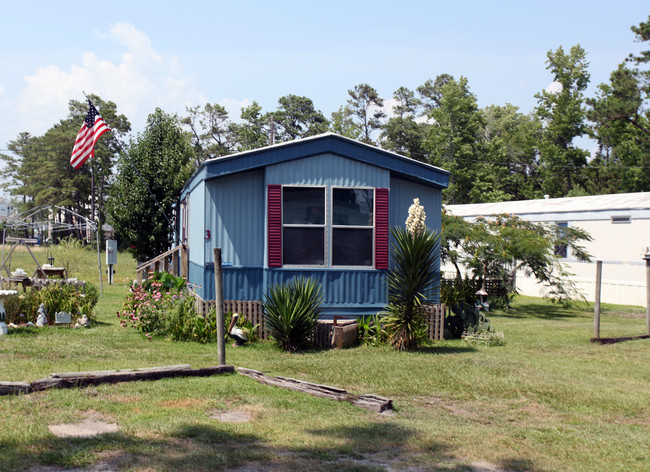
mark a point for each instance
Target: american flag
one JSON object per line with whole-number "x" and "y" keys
{"x": 91, "y": 129}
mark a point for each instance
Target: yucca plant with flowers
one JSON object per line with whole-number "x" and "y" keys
{"x": 412, "y": 279}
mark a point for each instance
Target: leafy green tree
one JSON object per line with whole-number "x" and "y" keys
{"x": 343, "y": 124}
{"x": 148, "y": 184}
{"x": 431, "y": 93}
{"x": 510, "y": 171}
{"x": 296, "y": 118}
{"x": 497, "y": 247}
{"x": 365, "y": 106}
{"x": 454, "y": 142}
{"x": 253, "y": 131}
{"x": 402, "y": 133}
{"x": 621, "y": 125}
{"x": 212, "y": 131}
{"x": 562, "y": 111}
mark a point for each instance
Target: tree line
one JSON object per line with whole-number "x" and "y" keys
{"x": 494, "y": 153}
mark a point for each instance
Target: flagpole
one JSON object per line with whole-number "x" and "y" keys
{"x": 129, "y": 161}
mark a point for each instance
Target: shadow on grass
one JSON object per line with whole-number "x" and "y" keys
{"x": 542, "y": 309}
{"x": 445, "y": 349}
{"x": 23, "y": 331}
{"x": 374, "y": 446}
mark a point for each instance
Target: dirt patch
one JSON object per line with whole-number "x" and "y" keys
{"x": 107, "y": 461}
{"x": 88, "y": 428}
{"x": 231, "y": 416}
{"x": 184, "y": 403}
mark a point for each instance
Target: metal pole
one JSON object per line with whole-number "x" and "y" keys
{"x": 218, "y": 299}
{"x": 647, "y": 282}
{"x": 599, "y": 277}
{"x": 99, "y": 264}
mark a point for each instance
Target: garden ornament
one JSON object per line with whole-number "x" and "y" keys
{"x": 239, "y": 335}
{"x": 41, "y": 319}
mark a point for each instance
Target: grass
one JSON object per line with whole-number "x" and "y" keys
{"x": 547, "y": 400}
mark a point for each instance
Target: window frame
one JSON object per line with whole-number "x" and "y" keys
{"x": 311, "y": 226}
{"x": 562, "y": 251}
{"x": 621, "y": 219}
{"x": 328, "y": 228}
{"x": 372, "y": 228}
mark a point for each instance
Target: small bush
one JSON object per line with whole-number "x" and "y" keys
{"x": 161, "y": 306}
{"x": 291, "y": 311}
{"x": 56, "y": 298}
{"x": 371, "y": 331}
{"x": 485, "y": 336}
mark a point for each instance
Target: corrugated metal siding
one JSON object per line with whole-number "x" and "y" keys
{"x": 196, "y": 277}
{"x": 402, "y": 194}
{"x": 341, "y": 287}
{"x": 327, "y": 169}
{"x": 196, "y": 222}
{"x": 346, "y": 291}
{"x": 235, "y": 206}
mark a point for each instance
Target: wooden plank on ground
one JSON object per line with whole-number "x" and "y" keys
{"x": 81, "y": 379}
{"x": 97, "y": 373}
{"x": 369, "y": 402}
{"x": 14, "y": 388}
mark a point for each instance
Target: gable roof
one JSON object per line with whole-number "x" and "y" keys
{"x": 405, "y": 167}
{"x": 555, "y": 206}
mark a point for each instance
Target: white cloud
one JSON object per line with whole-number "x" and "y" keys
{"x": 234, "y": 106}
{"x": 141, "y": 81}
{"x": 554, "y": 88}
{"x": 1, "y": 90}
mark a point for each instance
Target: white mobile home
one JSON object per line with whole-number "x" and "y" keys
{"x": 619, "y": 225}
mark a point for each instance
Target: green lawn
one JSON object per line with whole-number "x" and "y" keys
{"x": 548, "y": 400}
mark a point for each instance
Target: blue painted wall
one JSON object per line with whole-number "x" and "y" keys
{"x": 235, "y": 214}
{"x": 196, "y": 223}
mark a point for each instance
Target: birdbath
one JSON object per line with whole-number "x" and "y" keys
{"x": 3, "y": 315}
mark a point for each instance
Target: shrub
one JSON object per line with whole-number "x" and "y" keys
{"x": 412, "y": 280}
{"x": 146, "y": 306}
{"x": 460, "y": 295}
{"x": 484, "y": 335}
{"x": 371, "y": 331}
{"x": 161, "y": 306}
{"x": 291, "y": 311}
{"x": 55, "y": 298}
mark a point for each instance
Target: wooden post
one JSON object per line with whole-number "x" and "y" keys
{"x": 218, "y": 300}
{"x": 646, "y": 256}
{"x": 599, "y": 276}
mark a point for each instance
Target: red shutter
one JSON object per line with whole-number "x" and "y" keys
{"x": 381, "y": 228}
{"x": 274, "y": 212}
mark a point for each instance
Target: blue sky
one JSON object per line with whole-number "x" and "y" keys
{"x": 144, "y": 55}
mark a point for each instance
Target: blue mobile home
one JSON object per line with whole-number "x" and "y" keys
{"x": 319, "y": 207}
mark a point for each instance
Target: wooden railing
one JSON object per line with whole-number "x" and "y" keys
{"x": 173, "y": 261}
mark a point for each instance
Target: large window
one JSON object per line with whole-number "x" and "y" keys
{"x": 352, "y": 226}
{"x": 327, "y": 227}
{"x": 303, "y": 225}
